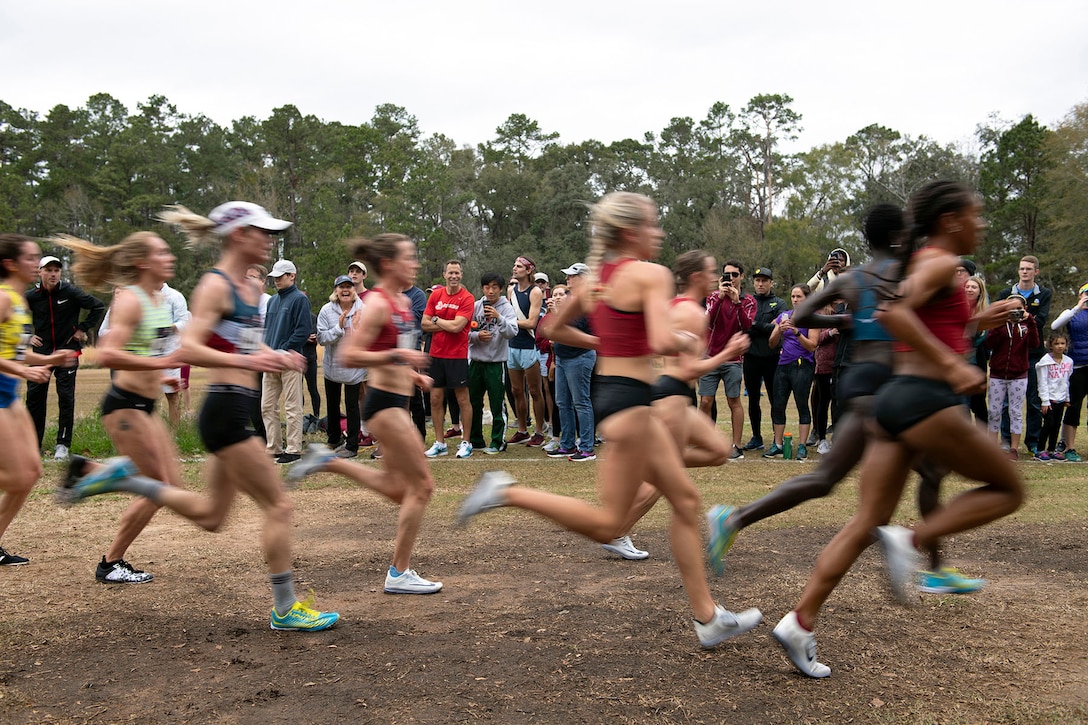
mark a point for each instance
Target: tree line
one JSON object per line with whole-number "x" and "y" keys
{"x": 723, "y": 183}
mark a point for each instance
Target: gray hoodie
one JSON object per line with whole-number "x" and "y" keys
{"x": 330, "y": 335}
{"x": 498, "y": 347}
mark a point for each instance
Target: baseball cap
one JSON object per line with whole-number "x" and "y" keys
{"x": 282, "y": 267}
{"x": 360, "y": 265}
{"x": 968, "y": 265}
{"x": 576, "y": 269}
{"x": 1082, "y": 290}
{"x": 237, "y": 214}
{"x": 46, "y": 261}
{"x": 541, "y": 276}
{"x": 763, "y": 272}
{"x": 343, "y": 279}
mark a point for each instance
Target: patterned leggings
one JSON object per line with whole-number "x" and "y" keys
{"x": 1016, "y": 391}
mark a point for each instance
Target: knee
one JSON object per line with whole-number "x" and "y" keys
{"x": 281, "y": 511}
{"x": 686, "y": 505}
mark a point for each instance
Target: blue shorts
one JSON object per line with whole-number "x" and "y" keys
{"x": 523, "y": 359}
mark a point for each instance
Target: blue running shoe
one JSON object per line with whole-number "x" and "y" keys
{"x": 302, "y": 617}
{"x": 103, "y": 479}
{"x": 722, "y": 533}
{"x": 948, "y": 581}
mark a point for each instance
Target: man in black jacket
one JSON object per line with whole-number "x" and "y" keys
{"x": 761, "y": 360}
{"x": 57, "y": 307}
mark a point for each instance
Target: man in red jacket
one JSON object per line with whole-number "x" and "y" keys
{"x": 729, "y": 312}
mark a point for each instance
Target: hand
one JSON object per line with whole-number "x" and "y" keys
{"x": 63, "y": 359}
{"x": 1045, "y": 409}
{"x": 732, "y": 293}
{"x": 312, "y": 338}
{"x": 490, "y": 312}
{"x": 174, "y": 384}
{"x": 35, "y": 341}
{"x": 485, "y": 336}
{"x": 414, "y": 358}
{"x": 424, "y": 382}
{"x": 79, "y": 336}
{"x": 37, "y": 374}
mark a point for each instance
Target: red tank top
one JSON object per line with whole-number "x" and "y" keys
{"x": 400, "y": 322}
{"x": 946, "y": 317}
{"x": 622, "y": 334}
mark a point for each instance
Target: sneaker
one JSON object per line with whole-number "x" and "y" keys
{"x": 800, "y": 646}
{"x": 464, "y": 450}
{"x": 7, "y": 559}
{"x": 561, "y": 452}
{"x": 551, "y": 446}
{"x": 823, "y": 447}
{"x": 376, "y": 454}
{"x": 902, "y": 560}
{"x": 409, "y": 583}
{"x": 774, "y": 451}
{"x": 1060, "y": 447}
{"x": 61, "y": 453}
{"x": 547, "y": 428}
{"x": 535, "y": 441}
{"x": 582, "y": 456}
{"x": 736, "y": 455}
{"x": 519, "y": 437}
{"x": 1072, "y": 455}
{"x": 102, "y": 479}
{"x": 1014, "y": 455}
{"x": 948, "y": 581}
{"x": 722, "y": 532}
{"x": 726, "y": 624}
{"x": 437, "y": 449}
{"x": 493, "y": 451}
{"x": 488, "y": 493}
{"x": 346, "y": 453}
{"x": 802, "y": 452}
{"x": 366, "y": 441}
{"x": 623, "y": 547}
{"x": 755, "y": 444}
{"x": 316, "y": 458}
{"x": 454, "y": 433}
{"x": 302, "y": 617}
{"x": 120, "y": 572}
{"x": 812, "y": 439}
{"x": 1042, "y": 456}
{"x": 1055, "y": 456}
{"x": 288, "y": 457}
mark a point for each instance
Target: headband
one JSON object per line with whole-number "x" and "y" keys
{"x": 527, "y": 263}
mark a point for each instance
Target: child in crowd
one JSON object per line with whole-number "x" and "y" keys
{"x": 1053, "y": 371}
{"x": 1009, "y": 345}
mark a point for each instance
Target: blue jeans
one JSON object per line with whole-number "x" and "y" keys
{"x": 572, "y": 398}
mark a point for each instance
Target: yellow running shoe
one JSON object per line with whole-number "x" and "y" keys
{"x": 302, "y": 617}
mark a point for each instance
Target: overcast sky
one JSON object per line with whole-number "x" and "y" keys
{"x": 585, "y": 69}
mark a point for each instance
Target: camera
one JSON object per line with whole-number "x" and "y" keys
{"x": 1016, "y": 315}
{"x": 728, "y": 282}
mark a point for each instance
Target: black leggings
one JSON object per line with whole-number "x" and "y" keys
{"x": 351, "y": 413}
{"x": 821, "y": 404}
{"x": 1052, "y": 429}
{"x": 758, "y": 372}
{"x": 1078, "y": 389}
{"x": 796, "y": 378}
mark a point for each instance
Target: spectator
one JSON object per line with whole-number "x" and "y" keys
{"x": 573, "y": 373}
{"x": 729, "y": 312}
{"x": 1054, "y": 371}
{"x": 337, "y": 319}
{"x": 309, "y": 351}
{"x": 259, "y": 274}
{"x": 57, "y": 308}
{"x": 417, "y": 405}
{"x": 977, "y": 354}
{"x": 1037, "y": 304}
{"x": 827, "y": 346}
{"x": 1076, "y": 318}
{"x": 524, "y": 362}
{"x": 174, "y": 382}
{"x": 761, "y": 360}
{"x": 836, "y": 264}
{"x": 796, "y": 366}
{"x": 965, "y": 271}
{"x": 287, "y": 328}
{"x": 449, "y": 311}
{"x": 493, "y": 324}
{"x": 1009, "y": 347}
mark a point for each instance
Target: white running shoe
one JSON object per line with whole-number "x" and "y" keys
{"x": 312, "y": 461}
{"x": 410, "y": 583}
{"x": 437, "y": 449}
{"x": 903, "y": 561}
{"x": 800, "y": 646}
{"x": 726, "y": 624}
{"x": 489, "y": 493}
{"x": 551, "y": 446}
{"x": 824, "y": 447}
{"x": 464, "y": 450}
{"x": 623, "y": 547}
{"x": 61, "y": 453}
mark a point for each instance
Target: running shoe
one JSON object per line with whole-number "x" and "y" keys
{"x": 347, "y": 453}
{"x": 366, "y": 441}
{"x": 902, "y": 561}
{"x": 560, "y": 452}
{"x": 774, "y": 451}
{"x": 802, "y": 452}
{"x": 518, "y": 437}
{"x": 551, "y": 446}
{"x": 1060, "y": 447}
{"x": 722, "y": 532}
{"x": 824, "y": 447}
{"x": 61, "y": 453}
{"x": 453, "y": 432}
{"x": 491, "y": 451}
{"x": 489, "y": 493}
{"x": 948, "y": 581}
{"x": 580, "y": 456}
{"x": 736, "y": 454}
{"x": 285, "y": 458}
{"x": 315, "y": 459}
{"x": 1042, "y": 456}
{"x": 800, "y": 646}
{"x": 437, "y": 449}
{"x": 625, "y": 548}
{"x": 1055, "y": 456}
{"x": 755, "y": 444}
{"x": 102, "y": 479}
{"x": 7, "y": 559}
{"x": 1071, "y": 455}
{"x": 812, "y": 439}
{"x": 726, "y": 624}
{"x": 535, "y": 441}
{"x": 120, "y": 572}
{"x": 408, "y": 582}
{"x": 464, "y": 450}
{"x": 302, "y": 617}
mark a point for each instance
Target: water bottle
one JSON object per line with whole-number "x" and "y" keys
{"x": 787, "y": 446}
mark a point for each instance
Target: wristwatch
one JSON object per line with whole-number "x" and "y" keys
{"x": 435, "y": 319}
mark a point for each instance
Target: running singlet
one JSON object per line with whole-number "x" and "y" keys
{"x": 399, "y": 331}
{"x": 945, "y": 316}
{"x": 16, "y": 331}
{"x": 866, "y": 326}
{"x": 524, "y": 339}
{"x": 241, "y": 332}
{"x": 152, "y": 335}
{"x": 622, "y": 334}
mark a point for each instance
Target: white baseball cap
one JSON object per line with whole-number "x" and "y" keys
{"x": 282, "y": 267}
{"x": 541, "y": 277}
{"x": 576, "y": 269}
{"x": 49, "y": 260}
{"x": 237, "y": 214}
{"x": 360, "y": 265}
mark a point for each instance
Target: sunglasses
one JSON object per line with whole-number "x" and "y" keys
{"x": 731, "y": 275}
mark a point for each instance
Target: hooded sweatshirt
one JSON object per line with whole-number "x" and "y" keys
{"x": 1054, "y": 379}
{"x": 819, "y": 280}
{"x": 1009, "y": 345}
{"x": 497, "y": 349}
